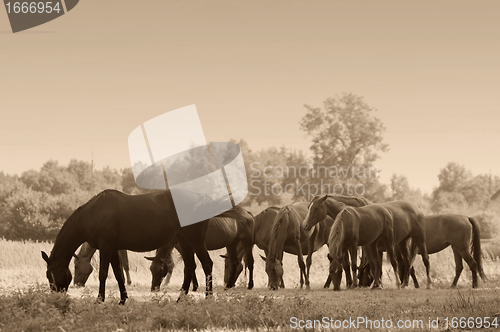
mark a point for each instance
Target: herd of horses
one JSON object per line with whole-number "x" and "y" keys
{"x": 114, "y": 222}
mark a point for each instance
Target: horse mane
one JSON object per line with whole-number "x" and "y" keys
{"x": 278, "y": 236}
{"x": 336, "y": 237}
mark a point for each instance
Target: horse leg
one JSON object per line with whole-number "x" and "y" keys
{"x": 406, "y": 258}
{"x": 118, "y": 271}
{"x": 233, "y": 263}
{"x": 375, "y": 264}
{"x": 310, "y": 251}
{"x": 394, "y": 263}
{"x": 472, "y": 265}
{"x": 348, "y": 276}
{"x": 105, "y": 255}
{"x": 123, "y": 255}
{"x": 196, "y": 238}
{"x": 422, "y": 248}
{"x": 206, "y": 262}
{"x": 302, "y": 265}
{"x": 458, "y": 267}
{"x": 249, "y": 262}
{"x": 194, "y": 279}
{"x": 353, "y": 251}
{"x": 328, "y": 281}
{"x": 189, "y": 264}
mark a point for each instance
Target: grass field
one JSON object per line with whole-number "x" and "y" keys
{"x": 27, "y": 305}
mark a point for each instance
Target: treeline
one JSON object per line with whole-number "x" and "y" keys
{"x": 35, "y": 204}
{"x": 346, "y": 137}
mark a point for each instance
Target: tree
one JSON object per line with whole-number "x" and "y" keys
{"x": 452, "y": 177}
{"x": 400, "y": 187}
{"x": 347, "y": 136}
{"x": 346, "y": 132}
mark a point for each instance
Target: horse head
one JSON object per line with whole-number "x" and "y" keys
{"x": 316, "y": 212}
{"x": 83, "y": 269}
{"x": 274, "y": 270}
{"x": 227, "y": 269}
{"x": 160, "y": 267}
{"x": 59, "y": 276}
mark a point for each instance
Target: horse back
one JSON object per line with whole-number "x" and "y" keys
{"x": 263, "y": 226}
{"x": 368, "y": 222}
{"x": 443, "y": 230}
{"x": 408, "y": 219}
{"x": 134, "y": 222}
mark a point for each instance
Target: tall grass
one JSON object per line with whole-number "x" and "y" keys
{"x": 26, "y": 304}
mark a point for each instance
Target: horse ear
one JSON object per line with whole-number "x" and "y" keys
{"x": 329, "y": 257}
{"x": 323, "y": 199}
{"x": 224, "y": 256}
{"x": 263, "y": 258}
{"x": 149, "y": 258}
{"x": 45, "y": 257}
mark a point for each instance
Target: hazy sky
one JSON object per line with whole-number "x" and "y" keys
{"x": 83, "y": 82}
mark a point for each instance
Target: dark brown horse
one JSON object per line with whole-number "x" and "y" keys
{"x": 83, "y": 268}
{"x": 263, "y": 226}
{"x": 113, "y": 221}
{"x": 228, "y": 229}
{"x": 362, "y": 226}
{"x": 408, "y": 223}
{"x": 461, "y": 233}
{"x": 288, "y": 231}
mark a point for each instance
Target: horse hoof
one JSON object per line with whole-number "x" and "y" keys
{"x": 336, "y": 289}
{"x": 376, "y": 287}
{"x": 122, "y": 302}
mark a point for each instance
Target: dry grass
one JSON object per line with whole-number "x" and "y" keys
{"x": 27, "y": 305}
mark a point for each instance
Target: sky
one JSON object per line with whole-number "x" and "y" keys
{"x": 77, "y": 86}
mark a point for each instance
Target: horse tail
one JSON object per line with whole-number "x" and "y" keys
{"x": 279, "y": 234}
{"x": 336, "y": 238}
{"x": 476, "y": 246}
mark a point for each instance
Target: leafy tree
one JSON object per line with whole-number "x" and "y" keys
{"x": 452, "y": 177}
{"x": 346, "y": 134}
{"x": 400, "y": 187}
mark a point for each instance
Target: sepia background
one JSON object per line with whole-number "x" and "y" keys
{"x": 410, "y": 88}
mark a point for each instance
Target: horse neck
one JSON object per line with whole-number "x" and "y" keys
{"x": 333, "y": 207}
{"x": 70, "y": 237}
{"x": 86, "y": 252}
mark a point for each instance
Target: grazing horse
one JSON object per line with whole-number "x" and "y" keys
{"x": 83, "y": 268}
{"x": 112, "y": 221}
{"x": 362, "y": 226}
{"x": 408, "y": 221}
{"x": 263, "y": 226}
{"x": 458, "y": 231}
{"x": 287, "y": 230}
{"x": 228, "y": 229}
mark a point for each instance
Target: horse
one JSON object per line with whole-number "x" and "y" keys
{"x": 263, "y": 227}
{"x": 233, "y": 227}
{"x": 83, "y": 268}
{"x": 362, "y": 226}
{"x": 408, "y": 220}
{"x": 458, "y": 231}
{"x": 113, "y": 220}
{"x": 287, "y": 230}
